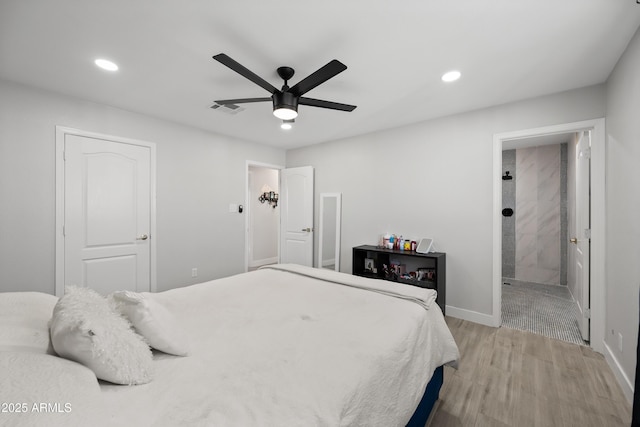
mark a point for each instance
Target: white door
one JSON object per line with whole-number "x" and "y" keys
{"x": 107, "y": 214}
{"x": 581, "y": 237}
{"x": 296, "y": 216}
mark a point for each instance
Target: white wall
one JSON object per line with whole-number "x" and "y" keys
{"x": 623, "y": 207}
{"x": 435, "y": 179}
{"x": 198, "y": 175}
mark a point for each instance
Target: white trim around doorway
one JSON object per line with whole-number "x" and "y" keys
{"x": 247, "y": 205}
{"x": 597, "y": 127}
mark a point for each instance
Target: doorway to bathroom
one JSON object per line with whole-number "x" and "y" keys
{"x": 543, "y": 255}
{"x": 538, "y": 195}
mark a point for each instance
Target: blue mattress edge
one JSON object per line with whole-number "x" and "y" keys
{"x": 431, "y": 393}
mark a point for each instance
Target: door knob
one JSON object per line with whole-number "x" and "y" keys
{"x": 143, "y": 237}
{"x": 573, "y": 240}
{"x": 308, "y": 230}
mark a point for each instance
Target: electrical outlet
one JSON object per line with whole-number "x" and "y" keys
{"x": 620, "y": 342}
{"x": 194, "y": 272}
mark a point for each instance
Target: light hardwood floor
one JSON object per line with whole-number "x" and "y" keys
{"x": 507, "y": 377}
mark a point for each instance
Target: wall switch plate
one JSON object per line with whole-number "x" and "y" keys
{"x": 233, "y": 207}
{"x": 194, "y": 272}
{"x": 620, "y": 342}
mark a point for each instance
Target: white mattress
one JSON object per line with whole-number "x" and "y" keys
{"x": 277, "y": 348}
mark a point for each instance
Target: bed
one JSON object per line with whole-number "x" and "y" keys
{"x": 281, "y": 346}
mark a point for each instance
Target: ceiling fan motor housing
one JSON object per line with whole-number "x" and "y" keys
{"x": 285, "y": 100}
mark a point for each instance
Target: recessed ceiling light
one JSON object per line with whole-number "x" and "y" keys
{"x": 451, "y": 76}
{"x": 106, "y": 65}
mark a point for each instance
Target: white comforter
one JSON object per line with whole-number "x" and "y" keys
{"x": 280, "y": 348}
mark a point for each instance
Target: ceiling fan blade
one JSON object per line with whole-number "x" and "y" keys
{"x": 318, "y": 77}
{"x": 244, "y": 71}
{"x": 325, "y": 104}
{"x": 241, "y": 101}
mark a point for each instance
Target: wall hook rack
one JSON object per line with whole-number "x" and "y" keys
{"x": 270, "y": 197}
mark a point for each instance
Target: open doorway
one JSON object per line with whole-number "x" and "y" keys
{"x": 539, "y": 198}
{"x": 279, "y": 215}
{"x": 262, "y": 236}
{"x": 596, "y": 207}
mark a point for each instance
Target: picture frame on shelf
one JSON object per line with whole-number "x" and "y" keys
{"x": 370, "y": 265}
{"x": 426, "y": 274}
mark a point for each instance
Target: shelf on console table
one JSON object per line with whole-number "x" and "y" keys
{"x": 435, "y": 262}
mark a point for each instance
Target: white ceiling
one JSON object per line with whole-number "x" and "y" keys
{"x": 395, "y": 53}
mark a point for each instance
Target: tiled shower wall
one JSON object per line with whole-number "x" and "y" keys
{"x": 534, "y": 238}
{"x": 509, "y": 222}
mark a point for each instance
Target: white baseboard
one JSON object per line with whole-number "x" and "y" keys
{"x": 260, "y": 262}
{"x": 621, "y": 376}
{"x": 471, "y": 316}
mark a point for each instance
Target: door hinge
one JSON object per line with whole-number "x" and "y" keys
{"x": 587, "y": 313}
{"x": 585, "y": 153}
{"x": 64, "y": 231}
{"x": 587, "y": 233}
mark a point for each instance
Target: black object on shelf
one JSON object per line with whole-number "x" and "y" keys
{"x": 410, "y": 268}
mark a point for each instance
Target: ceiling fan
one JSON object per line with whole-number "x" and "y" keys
{"x": 286, "y": 100}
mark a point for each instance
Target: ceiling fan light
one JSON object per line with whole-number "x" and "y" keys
{"x": 285, "y": 106}
{"x": 285, "y": 113}
{"x": 451, "y": 76}
{"x": 287, "y": 124}
{"x": 105, "y": 64}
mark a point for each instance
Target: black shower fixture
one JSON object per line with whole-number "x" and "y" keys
{"x": 506, "y": 176}
{"x": 507, "y": 212}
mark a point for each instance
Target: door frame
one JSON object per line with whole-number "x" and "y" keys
{"x": 597, "y": 203}
{"x": 61, "y": 132}
{"x": 581, "y": 248}
{"x": 248, "y": 204}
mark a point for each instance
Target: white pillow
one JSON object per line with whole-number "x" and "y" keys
{"x": 24, "y": 321}
{"x": 85, "y": 328}
{"x": 153, "y": 321}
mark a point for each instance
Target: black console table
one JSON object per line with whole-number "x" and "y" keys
{"x": 407, "y": 267}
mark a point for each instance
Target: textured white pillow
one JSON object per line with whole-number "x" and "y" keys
{"x": 85, "y": 328}
{"x": 153, "y": 321}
